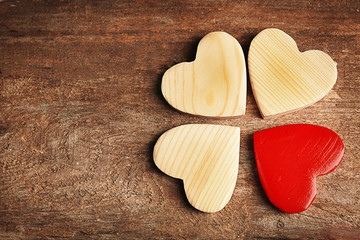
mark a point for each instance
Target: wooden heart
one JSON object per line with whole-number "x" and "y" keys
{"x": 214, "y": 84}
{"x": 206, "y": 158}
{"x": 290, "y": 157}
{"x": 284, "y": 79}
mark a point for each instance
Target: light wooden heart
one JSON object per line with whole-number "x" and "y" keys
{"x": 206, "y": 158}
{"x": 284, "y": 79}
{"x": 214, "y": 84}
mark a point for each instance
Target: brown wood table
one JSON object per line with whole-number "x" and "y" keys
{"x": 81, "y": 109}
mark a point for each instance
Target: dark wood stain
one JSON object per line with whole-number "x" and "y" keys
{"x": 80, "y": 107}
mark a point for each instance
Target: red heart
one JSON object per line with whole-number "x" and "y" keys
{"x": 290, "y": 157}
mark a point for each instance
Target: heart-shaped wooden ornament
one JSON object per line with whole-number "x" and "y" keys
{"x": 284, "y": 79}
{"x": 290, "y": 157}
{"x": 213, "y": 85}
{"x": 206, "y": 158}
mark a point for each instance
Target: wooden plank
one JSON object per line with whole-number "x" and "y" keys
{"x": 81, "y": 109}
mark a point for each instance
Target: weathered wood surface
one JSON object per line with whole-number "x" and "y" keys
{"x": 81, "y": 109}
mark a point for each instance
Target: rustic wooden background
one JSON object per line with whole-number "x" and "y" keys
{"x": 81, "y": 109}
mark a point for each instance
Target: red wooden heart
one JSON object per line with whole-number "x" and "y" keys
{"x": 290, "y": 157}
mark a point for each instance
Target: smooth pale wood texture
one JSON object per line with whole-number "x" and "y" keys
{"x": 81, "y": 109}
{"x": 282, "y": 78}
{"x": 213, "y": 85}
{"x": 206, "y": 158}
{"x": 289, "y": 158}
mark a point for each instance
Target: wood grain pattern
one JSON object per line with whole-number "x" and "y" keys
{"x": 81, "y": 109}
{"x": 206, "y": 158}
{"x": 284, "y": 79}
{"x": 214, "y": 84}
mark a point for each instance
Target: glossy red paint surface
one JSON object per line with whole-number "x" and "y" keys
{"x": 290, "y": 157}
